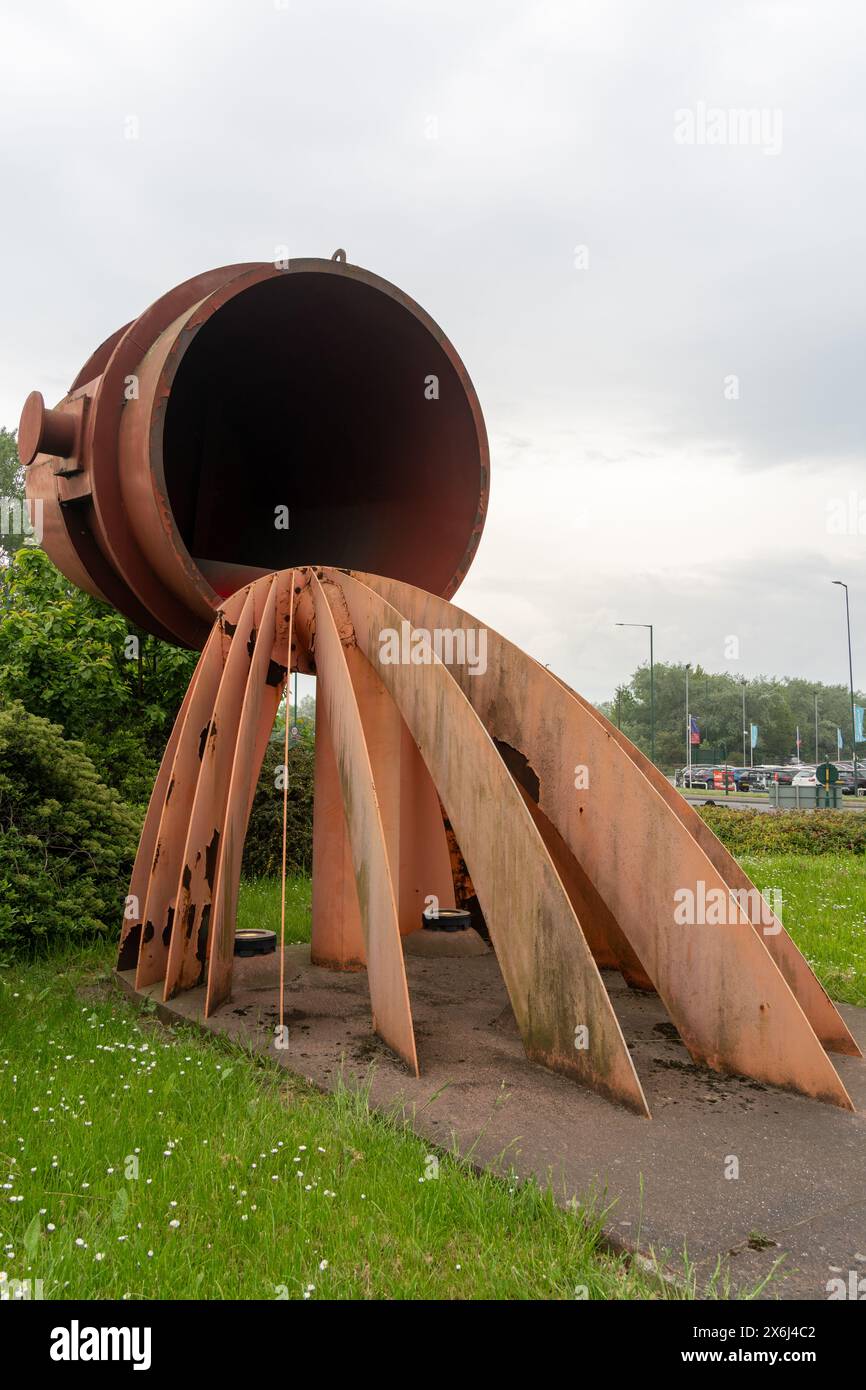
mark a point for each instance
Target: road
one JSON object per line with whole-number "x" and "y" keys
{"x": 758, "y": 803}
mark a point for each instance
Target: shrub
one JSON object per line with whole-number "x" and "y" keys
{"x": 70, "y": 658}
{"x": 264, "y": 844}
{"x": 787, "y": 832}
{"x": 67, "y": 841}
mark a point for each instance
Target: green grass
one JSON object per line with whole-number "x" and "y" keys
{"x": 259, "y": 906}
{"x": 112, "y": 1128}
{"x": 824, "y": 909}
{"x": 718, "y": 794}
{"x": 249, "y": 1184}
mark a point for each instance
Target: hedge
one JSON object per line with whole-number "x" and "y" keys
{"x": 263, "y": 851}
{"x": 67, "y": 841}
{"x": 787, "y": 832}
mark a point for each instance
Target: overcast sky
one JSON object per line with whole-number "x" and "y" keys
{"x": 661, "y": 306}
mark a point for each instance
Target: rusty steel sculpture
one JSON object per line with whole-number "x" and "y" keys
{"x": 319, "y": 390}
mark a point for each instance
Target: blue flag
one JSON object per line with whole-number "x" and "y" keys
{"x": 839, "y": 744}
{"x": 858, "y": 723}
{"x": 753, "y": 729}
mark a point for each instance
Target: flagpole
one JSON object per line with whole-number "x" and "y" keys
{"x": 817, "y": 758}
{"x": 688, "y": 729}
{"x": 743, "y": 683}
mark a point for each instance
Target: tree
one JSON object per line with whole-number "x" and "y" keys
{"x": 304, "y": 720}
{"x": 13, "y": 531}
{"x": 66, "y": 840}
{"x": 75, "y": 661}
{"x": 263, "y": 849}
{"x": 778, "y": 706}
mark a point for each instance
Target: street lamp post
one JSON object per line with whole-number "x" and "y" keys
{"x": 850, "y": 681}
{"x": 744, "y": 684}
{"x": 649, "y": 626}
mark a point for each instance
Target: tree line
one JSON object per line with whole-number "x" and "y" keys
{"x": 779, "y": 706}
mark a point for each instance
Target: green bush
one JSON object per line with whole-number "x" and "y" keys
{"x": 263, "y": 851}
{"x": 70, "y": 658}
{"x": 67, "y": 841}
{"x": 787, "y": 832}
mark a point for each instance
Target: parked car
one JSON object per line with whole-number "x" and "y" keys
{"x": 705, "y": 777}
{"x": 846, "y": 777}
{"x": 785, "y": 775}
{"x": 750, "y": 779}
{"x": 805, "y": 778}
{"x": 699, "y": 776}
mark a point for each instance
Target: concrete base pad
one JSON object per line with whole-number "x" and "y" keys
{"x": 801, "y": 1190}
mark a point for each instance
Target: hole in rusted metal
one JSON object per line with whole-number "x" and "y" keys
{"x": 520, "y": 768}
{"x": 201, "y": 945}
{"x": 128, "y": 956}
{"x": 210, "y": 860}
